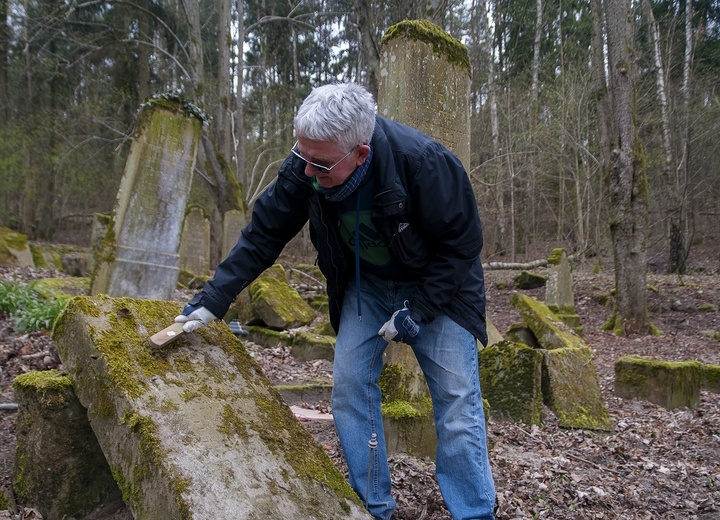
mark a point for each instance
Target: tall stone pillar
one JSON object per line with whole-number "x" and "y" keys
{"x": 139, "y": 255}
{"x": 424, "y": 83}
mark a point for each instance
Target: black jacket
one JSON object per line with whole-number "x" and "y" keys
{"x": 424, "y": 208}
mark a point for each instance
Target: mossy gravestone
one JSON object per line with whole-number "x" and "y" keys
{"x": 139, "y": 254}
{"x": 275, "y": 303}
{"x": 510, "y": 375}
{"x": 670, "y": 384}
{"x": 570, "y": 386}
{"x": 59, "y": 467}
{"x": 559, "y": 290}
{"x": 14, "y": 249}
{"x": 195, "y": 243}
{"x": 424, "y": 83}
{"x": 193, "y": 430}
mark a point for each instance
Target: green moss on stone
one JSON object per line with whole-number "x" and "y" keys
{"x": 405, "y": 410}
{"x": 52, "y": 387}
{"x": 711, "y": 378}
{"x": 555, "y": 256}
{"x": 426, "y": 31}
{"x": 147, "y": 431}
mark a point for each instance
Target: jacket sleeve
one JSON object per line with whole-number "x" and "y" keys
{"x": 445, "y": 209}
{"x": 277, "y": 216}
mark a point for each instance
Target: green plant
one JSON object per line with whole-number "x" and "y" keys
{"x": 28, "y": 309}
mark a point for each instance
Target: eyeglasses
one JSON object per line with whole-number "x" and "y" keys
{"x": 320, "y": 167}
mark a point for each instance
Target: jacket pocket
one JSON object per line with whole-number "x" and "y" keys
{"x": 408, "y": 247}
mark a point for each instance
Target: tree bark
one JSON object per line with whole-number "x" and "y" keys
{"x": 239, "y": 126}
{"x": 627, "y": 179}
{"x": 369, "y": 46}
{"x": 536, "y": 49}
{"x": 29, "y": 196}
{"x": 4, "y": 45}
{"x": 674, "y": 205}
{"x": 196, "y": 67}
{"x": 222, "y": 126}
{"x": 143, "y": 51}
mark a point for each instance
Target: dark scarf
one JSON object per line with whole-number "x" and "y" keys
{"x": 338, "y": 193}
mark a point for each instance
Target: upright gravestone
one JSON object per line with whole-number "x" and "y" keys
{"x": 139, "y": 256}
{"x": 559, "y": 290}
{"x": 233, "y": 223}
{"x": 424, "y": 83}
{"x": 195, "y": 243}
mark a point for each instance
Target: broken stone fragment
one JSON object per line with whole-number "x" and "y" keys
{"x": 59, "y": 467}
{"x": 670, "y": 384}
{"x": 571, "y": 389}
{"x": 193, "y": 430}
{"x": 510, "y": 380}
{"x": 549, "y": 330}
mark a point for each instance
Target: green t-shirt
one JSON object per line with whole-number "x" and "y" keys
{"x": 375, "y": 256}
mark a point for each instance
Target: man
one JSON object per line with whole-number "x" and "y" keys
{"x": 395, "y": 223}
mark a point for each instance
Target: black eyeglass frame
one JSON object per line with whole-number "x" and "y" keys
{"x": 320, "y": 167}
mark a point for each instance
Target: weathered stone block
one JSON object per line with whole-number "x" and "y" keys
{"x": 59, "y": 467}
{"x": 14, "y": 249}
{"x": 549, "y": 330}
{"x": 510, "y": 376}
{"x": 305, "y": 393}
{"x": 571, "y": 389}
{"x": 493, "y": 334}
{"x": 410, "y": 428}
{"x": 670, "y": 384}
{"x": 711, "y": 378}
{"x": 308, "y": 346}
{"x": 267, "y": 338}
{"x": 527, "y": 280}
{"x": 193, "y": 430}
{"x": 276, "y": 304}
{"x": 521, "y": 333}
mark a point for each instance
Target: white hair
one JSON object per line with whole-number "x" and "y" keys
{"x": 343, "y": 113}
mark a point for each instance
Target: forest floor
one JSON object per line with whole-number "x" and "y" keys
{"x": 655, "y": 463}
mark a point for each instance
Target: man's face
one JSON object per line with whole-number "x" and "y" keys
{"x": 330, "y": 155}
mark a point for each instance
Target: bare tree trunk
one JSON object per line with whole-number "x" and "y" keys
{"x": 369, "y": 46}
{"x": 628, "y": 182}
{"x": 536, "y": 49}
{"x": 4, "y": 49}
{"x": 501, "y": 237}
{"x": 143, "y": 51}
{"x": 678, "y": 220}
{"x": 673, "y": 204}
{"x": 29, "y": 199}
{"x": 196, "y": 67}
{"x": 239, "y": 109}
{"x": 602, "y": 96}
{"x": 222, "y": 128}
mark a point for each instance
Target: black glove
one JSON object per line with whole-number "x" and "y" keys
{"x": 401, "y": 327}
{"x": 194, "y": 317}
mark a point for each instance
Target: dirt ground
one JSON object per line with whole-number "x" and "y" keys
{"x": 654, "y": 463}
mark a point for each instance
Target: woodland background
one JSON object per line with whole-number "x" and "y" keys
{"x": 547, "y": 103}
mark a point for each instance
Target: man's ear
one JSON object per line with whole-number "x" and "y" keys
{"x": 363, "y": 152}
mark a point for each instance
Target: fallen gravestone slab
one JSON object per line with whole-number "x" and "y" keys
{"x": 571, "y": 390}
{"x": 59, "y": 468}
{"x": 549, "y": 330}
{"x": 510, "y": 380}
{"x": 670, "y": 384}
{"x": 193, "y": 430}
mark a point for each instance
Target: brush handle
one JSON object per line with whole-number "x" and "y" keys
{"x": 167, "y": 335}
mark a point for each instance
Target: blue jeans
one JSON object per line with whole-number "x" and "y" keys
{"x": 447, "y": 354}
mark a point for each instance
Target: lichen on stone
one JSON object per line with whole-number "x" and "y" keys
{"x": 426, "y": 31}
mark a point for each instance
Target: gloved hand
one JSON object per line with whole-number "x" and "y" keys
{"x": 401, "y": 327}
{"x": 194, "y": 317}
